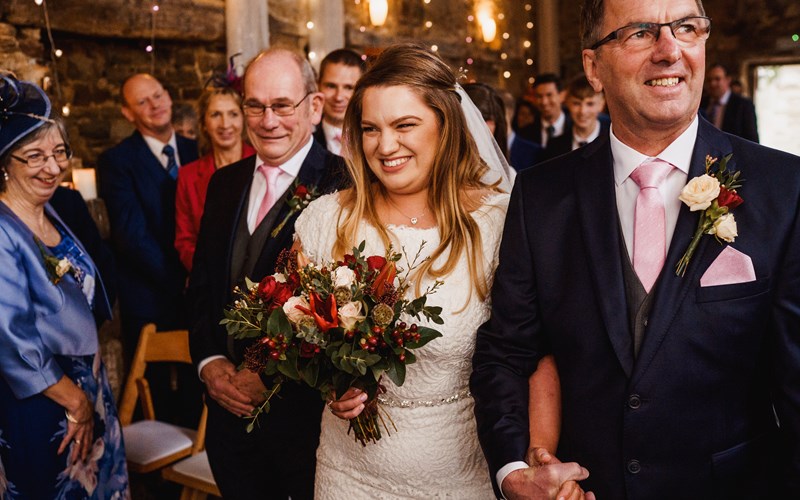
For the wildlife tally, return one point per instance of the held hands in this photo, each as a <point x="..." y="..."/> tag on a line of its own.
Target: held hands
<point x="350" y="405"/>
<point x="230" y="389"/>
<point x="547" y="478"/>
<point x="80" y="429"/>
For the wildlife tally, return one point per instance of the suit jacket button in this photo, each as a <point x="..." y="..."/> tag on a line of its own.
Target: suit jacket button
<point x="634" y="401"/>
<point x="634" y="467"/>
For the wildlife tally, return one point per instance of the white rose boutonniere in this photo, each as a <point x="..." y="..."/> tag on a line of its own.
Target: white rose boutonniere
<point x="58" y="268"/>
<point x="715" y="194"/>
<point x="700" y="192"/>
<point x="725" y="228"/>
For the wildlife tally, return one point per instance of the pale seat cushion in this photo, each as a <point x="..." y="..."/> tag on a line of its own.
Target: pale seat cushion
<point x="196" y="467"/>
<point x="149" y="440"/>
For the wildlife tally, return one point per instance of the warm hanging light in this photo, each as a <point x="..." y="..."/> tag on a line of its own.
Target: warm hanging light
<point x="487" y="24"/>
<point x="378" y="11"/>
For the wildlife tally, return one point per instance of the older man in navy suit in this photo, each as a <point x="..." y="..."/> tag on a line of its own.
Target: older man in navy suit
<point x="137" y="183"/>
<point x="245" y="206"/>
<point x="673" y="385"/>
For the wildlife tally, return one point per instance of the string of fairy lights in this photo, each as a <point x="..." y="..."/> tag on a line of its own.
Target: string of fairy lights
<point x="56" y="53"/>
<point x="482" y="26"/>
<point x="485" y="23"/>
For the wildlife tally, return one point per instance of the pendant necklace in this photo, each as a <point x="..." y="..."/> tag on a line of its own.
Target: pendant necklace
<point x="413" y="220"/>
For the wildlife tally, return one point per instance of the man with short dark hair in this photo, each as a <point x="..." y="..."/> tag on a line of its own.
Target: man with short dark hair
<point x="338" y="73"/>
<point x="551" y="120"/>
<point x="246" y="201"/>
<point x="727" y="110"/>
<point x="678" y="358"/>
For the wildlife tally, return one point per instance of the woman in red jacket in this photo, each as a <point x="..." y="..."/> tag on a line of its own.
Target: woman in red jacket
<point x="221" y="124"/>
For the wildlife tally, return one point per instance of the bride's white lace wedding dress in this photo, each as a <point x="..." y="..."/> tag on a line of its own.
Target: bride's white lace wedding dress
<point x="435" y="452"/>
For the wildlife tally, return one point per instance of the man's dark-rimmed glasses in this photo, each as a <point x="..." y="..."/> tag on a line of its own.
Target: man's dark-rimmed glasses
<point x="688" y="31"/>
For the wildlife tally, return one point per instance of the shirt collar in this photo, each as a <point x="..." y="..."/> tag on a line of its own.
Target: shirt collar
<point x="157" y="147"/>
<point x="724" y="99"/>
<point x="678" y="153"/>
<point x="330" y="131"/>
<point x="293" y="164"/>
<point x="558" y="124"/>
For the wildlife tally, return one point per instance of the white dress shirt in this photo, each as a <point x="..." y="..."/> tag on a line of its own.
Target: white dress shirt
<point x="626" y="159"/>
<point x="258" y="189"/>
<point x="558" y="125"/>
<point x="157" y="148"/>
<point x="576" y="141"/>
<point x="331" y="132"/>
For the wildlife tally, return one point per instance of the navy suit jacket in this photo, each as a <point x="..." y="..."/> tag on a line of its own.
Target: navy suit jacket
<point x="533" y="132"/>
<point x="739" y="117"/>
<point x="140" y="198"/>
<point x="524" y="153"/>
<point x="692" y="415"/>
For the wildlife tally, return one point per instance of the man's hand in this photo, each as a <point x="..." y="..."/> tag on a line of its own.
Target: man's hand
<point x="218" y="376"/>
<point x="546" y="479"/>
<point x="248" y="382"/>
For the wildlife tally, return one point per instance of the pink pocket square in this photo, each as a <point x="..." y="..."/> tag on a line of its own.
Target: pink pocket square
<point x="730" y="267"/>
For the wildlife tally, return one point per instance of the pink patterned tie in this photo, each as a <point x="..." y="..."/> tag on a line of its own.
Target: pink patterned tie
<point x="271" y="174"/>
<point x="649" y="226"/>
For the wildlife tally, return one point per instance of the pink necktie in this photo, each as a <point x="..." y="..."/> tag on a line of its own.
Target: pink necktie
<point x="271" y="174"/>
<point x="649" y="226"/>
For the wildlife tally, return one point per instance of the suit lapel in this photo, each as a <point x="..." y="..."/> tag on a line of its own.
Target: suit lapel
<point x="147" y="161"/>
<point x="597" y="206"/>
<point x="671" y="290"/>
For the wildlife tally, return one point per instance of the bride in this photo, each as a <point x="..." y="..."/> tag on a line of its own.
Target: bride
<point x="417" y="177"/>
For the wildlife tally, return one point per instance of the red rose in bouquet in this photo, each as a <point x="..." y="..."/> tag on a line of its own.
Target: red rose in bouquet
<point x="339" y="326"/>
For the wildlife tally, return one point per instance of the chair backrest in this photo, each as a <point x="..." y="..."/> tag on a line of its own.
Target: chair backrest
<point x="153" y="347"/>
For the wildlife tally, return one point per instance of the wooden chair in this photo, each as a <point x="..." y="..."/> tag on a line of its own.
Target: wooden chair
<point x="151" y="444"/>
<point x="194" y="473"/>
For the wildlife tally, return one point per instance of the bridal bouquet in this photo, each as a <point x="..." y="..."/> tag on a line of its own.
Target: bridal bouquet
<point x="334" y="326"/>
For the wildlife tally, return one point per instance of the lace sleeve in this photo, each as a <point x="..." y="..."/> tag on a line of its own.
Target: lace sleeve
<point x="316" y="227"/>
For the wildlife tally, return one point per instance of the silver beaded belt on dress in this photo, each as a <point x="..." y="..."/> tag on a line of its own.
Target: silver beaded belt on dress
<point x="405" y="403"/>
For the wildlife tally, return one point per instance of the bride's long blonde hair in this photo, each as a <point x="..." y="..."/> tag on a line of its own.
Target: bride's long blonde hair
<point x="457" y="166"/>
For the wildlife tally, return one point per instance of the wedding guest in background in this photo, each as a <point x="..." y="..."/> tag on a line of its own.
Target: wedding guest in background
<point x="522" y="153"/>
<point x="678" y="380"/>
<point x="585" y="107"/>
<point x="524" y="115"/>
<point x="418" y="177"/>
<point x="727" y="110"/>
<point x="59" y="432"/>
<point x="137" y="181"/>
<point x="493" y="111"/>
<point x="338" y="73"/>
<point x="221" y="128"/>
<point x="245" y="203"/>
<point x="551" y="120"/>
<point x="184" y="120"/>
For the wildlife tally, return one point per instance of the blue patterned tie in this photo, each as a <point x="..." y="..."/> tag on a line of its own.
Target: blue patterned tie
<point x="172" y="165"/>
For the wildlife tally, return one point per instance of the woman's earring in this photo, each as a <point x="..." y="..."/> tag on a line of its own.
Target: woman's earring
<point x="5" y="175"/>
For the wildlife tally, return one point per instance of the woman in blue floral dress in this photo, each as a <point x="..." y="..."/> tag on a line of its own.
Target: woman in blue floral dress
<point x="59" y="432"/>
